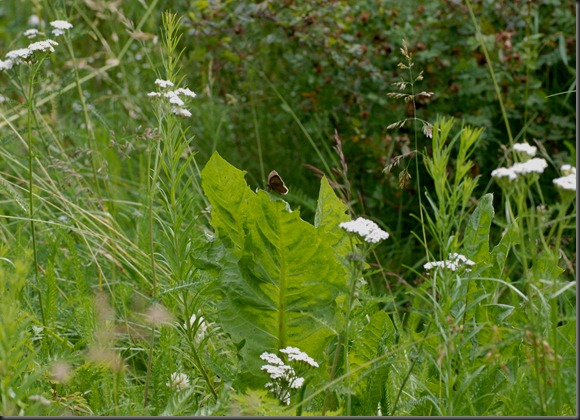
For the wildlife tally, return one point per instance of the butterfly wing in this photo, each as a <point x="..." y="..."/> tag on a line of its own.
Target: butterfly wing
<point x="276" y="184"/>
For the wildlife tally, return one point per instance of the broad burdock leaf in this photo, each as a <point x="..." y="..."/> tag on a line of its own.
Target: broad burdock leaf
<point x="279" y="275"/>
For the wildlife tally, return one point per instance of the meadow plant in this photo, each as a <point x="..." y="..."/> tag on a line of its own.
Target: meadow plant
<point x="284" y="377"/>
<point x="162" y="289"/>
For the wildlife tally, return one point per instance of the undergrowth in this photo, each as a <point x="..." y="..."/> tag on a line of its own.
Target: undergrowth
<point x="142" y="273"/>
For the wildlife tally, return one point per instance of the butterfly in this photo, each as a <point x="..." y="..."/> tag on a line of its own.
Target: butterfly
<point x="276" y="184"/>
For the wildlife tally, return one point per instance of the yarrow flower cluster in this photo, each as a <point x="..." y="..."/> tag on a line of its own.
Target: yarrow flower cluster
<point x="31" y="33"/>
<point x="568" y="181"/>
<point x="178" y="381"/>
<point x="294" y="354"/>
<point x="528" y="165"/>
<point x="23" y="55"/>
<point x="535" y="165"/>
<point x="173" y="97"/>
<point x="453" y="262"/>
<point x="59" y="26"/>
<point x="284" y="377"/>
<point x="368" y="229"/>
<point x="525" y="150"/>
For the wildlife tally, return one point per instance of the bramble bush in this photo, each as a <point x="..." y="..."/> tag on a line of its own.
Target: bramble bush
<point x="422" y="262"/>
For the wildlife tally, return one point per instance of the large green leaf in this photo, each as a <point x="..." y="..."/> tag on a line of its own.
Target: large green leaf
<point x="228" y="193"/>
<point x="279" y="287"/>
<point x="330" y="212"/>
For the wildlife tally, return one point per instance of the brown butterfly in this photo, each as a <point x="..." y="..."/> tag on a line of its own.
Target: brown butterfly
<point x="276" y="184"/>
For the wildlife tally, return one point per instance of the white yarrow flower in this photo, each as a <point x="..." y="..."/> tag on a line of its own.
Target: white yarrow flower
<point x="182" y="112"/>
<point x="566" y="183"/>
<point x="186" y="92"/>
<point x="368" y="229"/>
<point x="508" y="173"/>
<point x="60" y="26"/>
<point x="294" y="354"/>
<point x="174" y="98"/>
<point x="568" y="170"/>
<point x="271" y="358"/>
<point x="43" y="46"/>
<point x="454" y="262"/>
<point x="6" y="64"/>
<point x="526" y="149"/>
<point x="19" y="55"/>
<point x="31" y="33"/>
<point x="163" y="83"/>
<point x="284" y="377"/>
<point x="535" y="165"/>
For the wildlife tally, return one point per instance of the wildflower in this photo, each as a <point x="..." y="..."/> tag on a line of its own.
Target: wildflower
<point x="60" y="26"/>
<point x="568" y="170"/>
<point x="284" y="377"/>
<point x="566" y="183"/>
<point x="508" y="173"/>
<point x="294" y="353"/>
<point x="535" y="165"/>
<point x="182" y="112"/>
<point x="43" y="46"/>
<point x="368" y="229"/>
<point x="173" y="97"/>
<point x="19" y="55"/>
<point x="186" y="92"/>
<point x="271" y="358"/>
<point x="454" y="262"/>
<point x="178" y="381"/>
<point x="163" y="83"/>
<point x="6" y="65"/>
<point x="525" y="150"/>
<point x="31" y="33"/>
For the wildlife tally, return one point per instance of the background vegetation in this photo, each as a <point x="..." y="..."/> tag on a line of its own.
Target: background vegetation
<point x="133" y="246"/>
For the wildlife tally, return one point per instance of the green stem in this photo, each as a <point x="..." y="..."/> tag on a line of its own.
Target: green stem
<point x="88" y="124"/>
<point x="479" y="37"/>
<point x="30" y="192"/>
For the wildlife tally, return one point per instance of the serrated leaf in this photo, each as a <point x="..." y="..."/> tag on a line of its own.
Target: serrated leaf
<point x="375" y="338"/>
<point x="330" y="212"/>
<point x="281" y="281"/>
<point x="228" y="193"/>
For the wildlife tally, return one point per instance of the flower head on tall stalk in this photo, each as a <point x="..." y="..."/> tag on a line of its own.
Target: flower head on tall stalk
<point x="284" y="377"/>
<point x="371" y="234"/>
<point x="173" y="98"/>
<point x="28" y="62"/>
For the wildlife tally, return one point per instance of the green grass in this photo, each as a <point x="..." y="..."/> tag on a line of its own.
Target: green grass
<point x="139" y="246"/>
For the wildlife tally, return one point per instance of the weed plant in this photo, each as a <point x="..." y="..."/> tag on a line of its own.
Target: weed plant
<point x="142" y="272"/>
